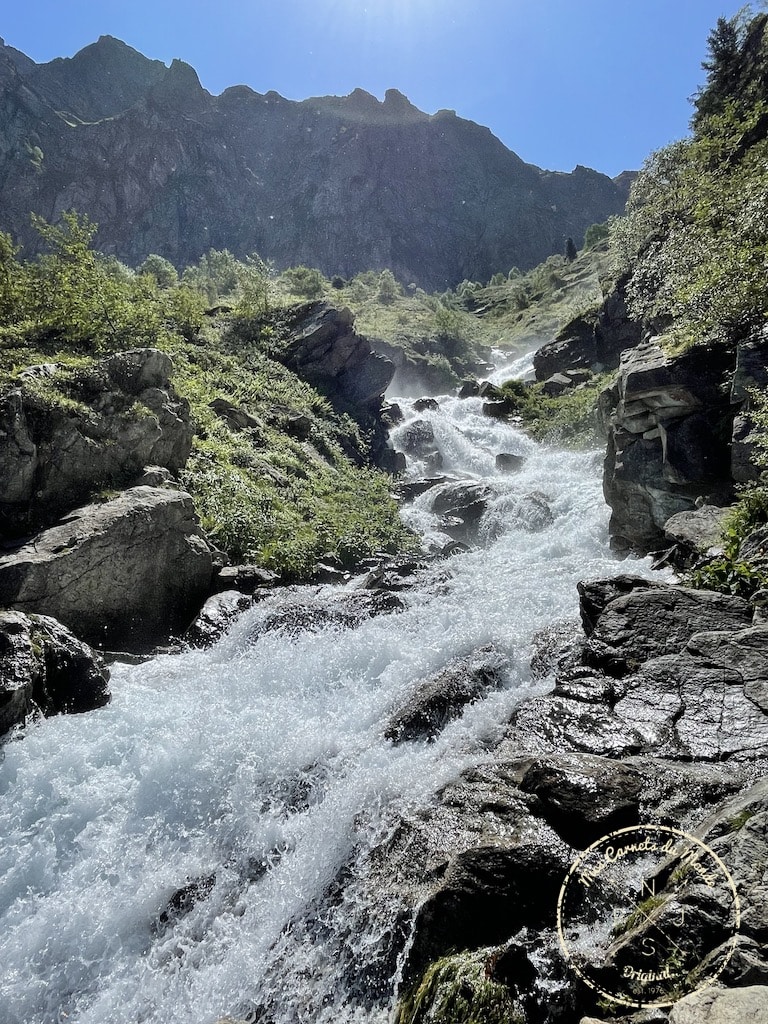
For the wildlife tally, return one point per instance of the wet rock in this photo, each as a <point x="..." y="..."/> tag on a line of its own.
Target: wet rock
<point x="555" y="723"/>
<point x="184" y="900"/>
<point x="708" y="703"/>
<point x="418" y="438"/>
<point x="487" y="894"/>
<point x="395" y="574"/>
<point x="347" y="611"/>
<point x="216" y="617"/>
<point x="44" y="668"/>
<point x="722" y="1006"/>
<point x="409" y="490"/>
<point x="528" y="512"/>
<point x="128" y="571"/>
<point x="469" y="389"/>
<point x="439" y="699"/>
<point x="583" y="797"/>
<point x="506" y="462"/>
<point x="463" y="505"/>
<point x="424" y="404"/>
<point x="647" y="623"/>
<point x="555" y="648"/>
<point x="596" y="595"/>
<point x="246" y="578"/>
<point x="499" y="409"/>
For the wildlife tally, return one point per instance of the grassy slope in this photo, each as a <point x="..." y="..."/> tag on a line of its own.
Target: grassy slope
<point x="262" y="494"/>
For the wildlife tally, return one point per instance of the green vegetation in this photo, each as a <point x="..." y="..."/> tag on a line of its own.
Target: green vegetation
<point x="729" y="573"/>
<point x="263" y="493"/>
<point x="569" y="419"/>
<point x="457" y="990"/>
<point x="695" y="239"/>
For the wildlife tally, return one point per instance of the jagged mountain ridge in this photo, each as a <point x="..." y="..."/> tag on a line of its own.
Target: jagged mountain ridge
<point x="341" y="183"/>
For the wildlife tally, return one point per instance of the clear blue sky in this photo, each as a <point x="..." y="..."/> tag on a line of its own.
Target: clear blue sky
<point x="561" y="82"/>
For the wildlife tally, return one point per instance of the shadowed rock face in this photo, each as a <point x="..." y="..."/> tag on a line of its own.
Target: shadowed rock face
<point x="341" y="183"/>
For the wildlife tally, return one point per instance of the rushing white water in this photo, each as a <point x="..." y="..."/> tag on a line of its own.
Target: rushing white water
<point x="260" y="767"/>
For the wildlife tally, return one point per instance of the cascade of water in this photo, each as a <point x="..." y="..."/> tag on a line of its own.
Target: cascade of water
<point x="257" y="774"/>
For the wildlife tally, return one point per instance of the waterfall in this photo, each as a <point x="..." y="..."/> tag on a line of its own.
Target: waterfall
<point x="252" y="779"/>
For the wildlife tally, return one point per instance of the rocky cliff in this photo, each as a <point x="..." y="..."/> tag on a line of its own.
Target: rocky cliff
<point x="341" y="183"/>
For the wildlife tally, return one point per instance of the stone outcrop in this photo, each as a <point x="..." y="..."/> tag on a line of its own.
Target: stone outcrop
<point x="326" y="351"/>
<point x="130" y="570"/>
<point x="591" y="341"/>
<point x="659" y="714"/>
<point x="669" y="439"/>
<point x="106" y="426"/>
<point x="45" y="669"/>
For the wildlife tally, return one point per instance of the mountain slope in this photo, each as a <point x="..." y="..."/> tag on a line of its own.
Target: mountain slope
<point x="342" y="183"/>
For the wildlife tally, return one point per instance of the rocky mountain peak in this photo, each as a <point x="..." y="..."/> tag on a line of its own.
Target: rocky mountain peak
<point x="343" y="183"/>
<point x="179" y="89"/>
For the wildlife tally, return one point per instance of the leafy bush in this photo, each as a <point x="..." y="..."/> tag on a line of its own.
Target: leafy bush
<point x="304" y="281"/>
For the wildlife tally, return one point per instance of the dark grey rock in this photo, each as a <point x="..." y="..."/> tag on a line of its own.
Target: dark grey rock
<point x="469" y="389"/>
<point x="596" y="595"/>
<point x="646" y="624"/>
<point x="418" y="438"/>
<point x="347" y="610"/>
<point x="326" y="351"/>
<point x="439" y="699"/>
<point x="499" y="409"/>
<point x="216" y="617"/>
<point x="583" y="797"/>
<point x="507" y="462"/>
<point x="423" y="404"/>
<point x="44" y="668"/>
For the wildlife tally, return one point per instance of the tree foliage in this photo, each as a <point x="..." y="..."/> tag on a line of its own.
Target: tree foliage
<point x="694" y="242"/>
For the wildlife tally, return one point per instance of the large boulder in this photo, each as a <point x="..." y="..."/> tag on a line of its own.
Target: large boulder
<point x="648" y="623"/>
<point x="107" y="424"/>
<point x="708" y="703"/>
<point x="722" y="1006"/>
<point x="443" y="696"/>
<point x="326" y="351"/>
<point x="44" y="668"/>
<point x="668" y="444"/>
<point x="130" y="570"/>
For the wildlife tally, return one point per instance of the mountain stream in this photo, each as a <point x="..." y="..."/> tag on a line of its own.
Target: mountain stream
<point x="198" y="848"/>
